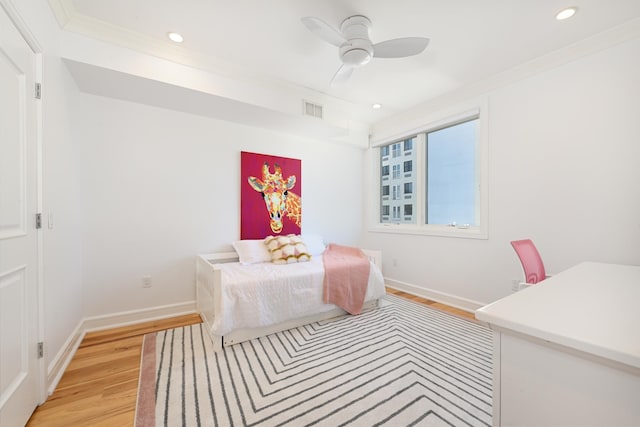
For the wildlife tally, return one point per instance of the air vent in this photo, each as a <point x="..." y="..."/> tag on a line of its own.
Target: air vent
<point x="311" y="109"/>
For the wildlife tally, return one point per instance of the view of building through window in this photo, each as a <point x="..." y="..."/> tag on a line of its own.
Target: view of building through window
<point x="398" y="206"/>
<point x="448" y="159"/>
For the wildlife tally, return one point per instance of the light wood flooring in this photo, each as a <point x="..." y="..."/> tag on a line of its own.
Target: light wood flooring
<point x="433" y="304"/>
<point x="100" y="384"/>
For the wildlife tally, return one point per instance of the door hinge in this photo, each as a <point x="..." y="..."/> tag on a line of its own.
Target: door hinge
<point x="40" y="350"/>
<point x="38" y="220"/>
<point x="38" y="91"/>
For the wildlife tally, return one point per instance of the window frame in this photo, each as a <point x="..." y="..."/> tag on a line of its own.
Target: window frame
<point x="435" y="122"/>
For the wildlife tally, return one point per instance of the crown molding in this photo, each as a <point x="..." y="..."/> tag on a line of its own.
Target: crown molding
<point x="22" y="27"/>
<point x="63" y="10"/>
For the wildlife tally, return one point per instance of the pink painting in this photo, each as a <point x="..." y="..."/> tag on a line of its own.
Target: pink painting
<point x="270" y="191"/>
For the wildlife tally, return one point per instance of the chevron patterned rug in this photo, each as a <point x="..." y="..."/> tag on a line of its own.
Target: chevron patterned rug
<point x="401" y="364"/>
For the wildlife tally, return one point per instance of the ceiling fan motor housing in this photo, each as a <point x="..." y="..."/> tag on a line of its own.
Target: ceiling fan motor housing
<point x="358" y="49"/>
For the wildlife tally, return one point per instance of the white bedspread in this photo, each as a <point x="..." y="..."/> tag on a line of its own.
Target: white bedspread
<point x="265" y="294"/>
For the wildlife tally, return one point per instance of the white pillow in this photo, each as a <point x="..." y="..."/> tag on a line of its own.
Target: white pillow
<point x="314" y="243"/>
<point x="251" y="251"/>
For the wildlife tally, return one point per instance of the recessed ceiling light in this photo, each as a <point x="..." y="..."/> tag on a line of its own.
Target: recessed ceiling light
<point x="376" y="106"/>
<point x="566" y="13"/>
<point x="175" y="37"/>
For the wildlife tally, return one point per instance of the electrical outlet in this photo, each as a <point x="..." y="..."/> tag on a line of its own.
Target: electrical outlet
<point x="515" y="285"/>
<point x="146" y="281"/>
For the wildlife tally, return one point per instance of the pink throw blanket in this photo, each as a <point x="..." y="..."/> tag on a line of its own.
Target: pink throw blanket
<point x="346" y="275"/>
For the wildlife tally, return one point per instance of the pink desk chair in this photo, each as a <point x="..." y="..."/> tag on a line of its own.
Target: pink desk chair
<point x="531" y="261"/>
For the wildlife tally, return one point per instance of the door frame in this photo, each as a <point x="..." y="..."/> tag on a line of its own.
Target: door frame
<point x="35" y="47"/>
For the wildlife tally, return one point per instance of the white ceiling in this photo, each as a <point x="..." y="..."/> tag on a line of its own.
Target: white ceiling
<point x="471" y="40"/>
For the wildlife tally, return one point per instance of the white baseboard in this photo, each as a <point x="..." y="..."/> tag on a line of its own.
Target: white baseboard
<point x="59" y="364"/>
<point x="125" y="318"/>
<point x="437" y="296"/>
<point x="61" y="361"/>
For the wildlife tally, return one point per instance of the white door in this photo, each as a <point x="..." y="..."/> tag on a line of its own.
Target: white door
<point x="18" y="236"/>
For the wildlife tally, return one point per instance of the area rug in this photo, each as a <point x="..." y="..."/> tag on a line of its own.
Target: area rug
<point x="401" y="364"/>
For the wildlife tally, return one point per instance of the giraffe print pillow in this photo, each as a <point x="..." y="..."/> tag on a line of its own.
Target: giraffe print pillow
<point x="287" y="249"/>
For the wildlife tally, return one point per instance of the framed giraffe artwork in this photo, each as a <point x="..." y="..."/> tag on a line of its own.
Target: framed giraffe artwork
<point x="270" y="196"/>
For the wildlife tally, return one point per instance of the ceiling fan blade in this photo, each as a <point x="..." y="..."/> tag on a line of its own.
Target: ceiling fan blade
<point x="399" y="48"/>
<point x="342" y="75"/>
<point x="323" y="30"/>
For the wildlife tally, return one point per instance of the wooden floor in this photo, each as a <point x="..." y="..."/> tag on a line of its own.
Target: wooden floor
<point x="433" y="304"/>
<point x="100" y="384"/>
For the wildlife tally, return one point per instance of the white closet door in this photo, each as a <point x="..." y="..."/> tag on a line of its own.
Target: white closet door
<point x="18" y="236"/>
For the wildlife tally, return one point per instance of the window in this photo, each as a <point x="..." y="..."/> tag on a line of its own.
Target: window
<point x="385" y="170"/>
<point x="443" y="179"/>
<point x="396" y="171"/>
<point x="385" y="151"/>
<point x="395" y="150"/>
<point x="396" y="192"/>
<point x="385" y="190"/>
<point x="396" y="212"/>
<point x="451" y="175"/>
<point x="408" y="166"/>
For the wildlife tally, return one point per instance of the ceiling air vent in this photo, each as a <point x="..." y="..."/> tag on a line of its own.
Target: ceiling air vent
<point x="311" y="109"/>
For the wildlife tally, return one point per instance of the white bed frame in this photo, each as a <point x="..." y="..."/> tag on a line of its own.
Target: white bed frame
<point x="208" y="285"/>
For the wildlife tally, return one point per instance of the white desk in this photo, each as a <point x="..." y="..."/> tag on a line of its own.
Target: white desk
<point x="567" y="350"/>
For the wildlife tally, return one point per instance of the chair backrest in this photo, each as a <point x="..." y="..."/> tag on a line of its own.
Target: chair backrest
<point x="530" y="259"/>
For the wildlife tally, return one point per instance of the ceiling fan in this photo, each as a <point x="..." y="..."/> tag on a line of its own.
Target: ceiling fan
<point x="355" y="46"/>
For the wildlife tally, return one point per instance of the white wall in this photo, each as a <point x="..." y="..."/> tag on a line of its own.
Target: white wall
<point x="62" y="243"/>
<point x="159" y="187"/>
<point x="564" y="170"/>
<point x="62" y="255"/>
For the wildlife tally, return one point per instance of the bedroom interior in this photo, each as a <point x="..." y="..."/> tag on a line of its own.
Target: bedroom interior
<point x="137" y="147"/>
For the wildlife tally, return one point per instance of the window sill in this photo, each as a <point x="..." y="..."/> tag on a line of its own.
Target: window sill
<point x="432" y="230"/>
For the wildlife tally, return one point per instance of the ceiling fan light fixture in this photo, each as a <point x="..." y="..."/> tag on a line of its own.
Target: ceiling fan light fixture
<point x="356" y="57"/>
<point x="356" y="52"/>
<point x="566" y="13"/>
<point x="355" y="47"/>
<point x="175" y="37"/>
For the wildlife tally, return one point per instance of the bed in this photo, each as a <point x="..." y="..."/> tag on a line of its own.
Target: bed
<point x="239" y="302"/>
